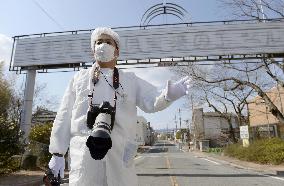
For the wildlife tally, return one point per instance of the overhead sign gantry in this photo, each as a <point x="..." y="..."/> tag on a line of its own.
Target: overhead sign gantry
<point x="185" y="42"/>
<point x="148" y="45"/>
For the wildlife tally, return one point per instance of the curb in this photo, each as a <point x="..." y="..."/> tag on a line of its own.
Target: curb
<point x="32" y="183"/>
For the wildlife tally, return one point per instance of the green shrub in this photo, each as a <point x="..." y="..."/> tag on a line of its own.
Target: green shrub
<point x="39" y="142"/>
<point x="215" y="150"/>
<point x="10" y="145"/>
<point x="178" y="135"/>
<point x="11" y="164"/>
<point x="41" y="133"/>
<point x="264" y="151"/>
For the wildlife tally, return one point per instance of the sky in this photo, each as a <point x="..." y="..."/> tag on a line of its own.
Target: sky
<point x="38" y="16"/>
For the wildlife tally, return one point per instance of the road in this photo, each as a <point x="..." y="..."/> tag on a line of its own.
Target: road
<point x="165" y="165"/>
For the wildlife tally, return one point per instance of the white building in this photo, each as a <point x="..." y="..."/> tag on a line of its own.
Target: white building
<point x="43" y="116"/>
<point x="212" y="126"/>
<point x="141" y="131"/>
<point x="144" y="133"/>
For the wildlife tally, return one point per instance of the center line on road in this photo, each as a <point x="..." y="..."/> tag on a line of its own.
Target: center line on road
<point x="173" y="178"/>
<point x="211" y="161"/>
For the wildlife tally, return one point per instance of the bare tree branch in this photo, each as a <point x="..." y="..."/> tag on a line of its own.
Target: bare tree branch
<point x="274" y="77"/>
<point x="272" y="107"/>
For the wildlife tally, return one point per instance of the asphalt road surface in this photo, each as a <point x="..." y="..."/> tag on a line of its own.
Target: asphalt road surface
<point x="165" y="165"/>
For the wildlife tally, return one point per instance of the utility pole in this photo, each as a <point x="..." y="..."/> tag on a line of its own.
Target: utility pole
<point x="263" y="17"/>
<point x="181" y="134"/>
<point x="176" y="121"/>
<point x="167" y="130"/>
<point x="192" y="123"/>
<point x="179" y="119"/>
<point x="261" y="10"/>
<point x="149" y="132"/>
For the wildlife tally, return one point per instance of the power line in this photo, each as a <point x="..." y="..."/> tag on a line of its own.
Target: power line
<point x="47" y="14"/>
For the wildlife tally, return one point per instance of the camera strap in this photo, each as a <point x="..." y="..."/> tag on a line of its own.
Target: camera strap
<point x="115" y="86"/>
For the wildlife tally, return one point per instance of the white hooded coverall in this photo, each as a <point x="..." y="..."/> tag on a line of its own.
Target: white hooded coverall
<point x="70" y="128"/>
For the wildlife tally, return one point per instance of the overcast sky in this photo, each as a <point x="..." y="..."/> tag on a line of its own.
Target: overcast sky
<point x="38" y="16"/>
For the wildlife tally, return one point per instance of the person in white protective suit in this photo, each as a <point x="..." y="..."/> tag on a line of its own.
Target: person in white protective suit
<point x="71" y="131"/>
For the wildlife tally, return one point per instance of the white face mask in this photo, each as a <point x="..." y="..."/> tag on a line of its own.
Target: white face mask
<point x="104" y="52"/>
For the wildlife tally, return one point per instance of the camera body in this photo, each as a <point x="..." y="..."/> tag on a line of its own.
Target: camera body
<point x="101" y="120"/>
<point x="95" y="111"/>
<point x="50" y="180"/>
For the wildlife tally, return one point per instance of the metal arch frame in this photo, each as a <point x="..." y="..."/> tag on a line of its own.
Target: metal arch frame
<point x="178" y="6"/>
<point x="163" y="9"/>
<point x="169" y="13"/>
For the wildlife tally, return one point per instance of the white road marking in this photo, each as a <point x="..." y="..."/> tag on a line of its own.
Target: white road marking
<point x="274" y="177"/>
<point x="137" y="157"/>
<point x="211" y="161"/>
<point x="185" y="150"/>
<point x="153" y="156"/>
<point x="282" y="179"/>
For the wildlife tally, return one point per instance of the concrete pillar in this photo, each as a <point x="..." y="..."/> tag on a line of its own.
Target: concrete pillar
<point x="26" y="115"/>
<point x="198" y="122"/>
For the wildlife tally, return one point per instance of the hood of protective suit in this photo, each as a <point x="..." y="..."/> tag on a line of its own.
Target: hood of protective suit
<point x="104" y="30"/>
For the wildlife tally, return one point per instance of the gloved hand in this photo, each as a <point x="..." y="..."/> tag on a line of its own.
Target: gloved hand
<point x="178" y="89"/>
<point x="57" y="165"/>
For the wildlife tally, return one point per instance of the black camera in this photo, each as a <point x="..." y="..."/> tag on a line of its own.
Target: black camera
<point x="50" y="180"/>
<point x="101" y="120"/>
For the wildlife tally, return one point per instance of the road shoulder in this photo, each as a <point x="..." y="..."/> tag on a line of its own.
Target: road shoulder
<point x="264" y="169"/>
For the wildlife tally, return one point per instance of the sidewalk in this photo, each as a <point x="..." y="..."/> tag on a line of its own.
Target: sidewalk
<point x="264" y="169"/>
<point x="22" y="178"/>
<point x="25" y="178"/>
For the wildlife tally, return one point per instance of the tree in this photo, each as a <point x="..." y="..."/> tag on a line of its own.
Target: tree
<point x="256" y="9"/>
<point x="9" y="144"/>
<point x="5" y="93"/>
<point x="9" y="130"/>
<point x="261" y="9"/>
<point x="240" y="78"/>
<point x="220" y="96"/>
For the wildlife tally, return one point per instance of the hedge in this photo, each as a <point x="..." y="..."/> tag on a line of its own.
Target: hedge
<point x="264" y="151"/>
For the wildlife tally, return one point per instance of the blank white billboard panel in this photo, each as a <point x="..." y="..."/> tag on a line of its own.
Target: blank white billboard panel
<point x="151" y="42"/>
<point x="49" y="50"/>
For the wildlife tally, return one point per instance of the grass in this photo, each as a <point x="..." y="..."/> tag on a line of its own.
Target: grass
<point x="263" y="151"/>
<point x="215" y="150"/>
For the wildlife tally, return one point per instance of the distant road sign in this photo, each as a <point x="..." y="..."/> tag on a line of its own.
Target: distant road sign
<point x="244" y="132"/>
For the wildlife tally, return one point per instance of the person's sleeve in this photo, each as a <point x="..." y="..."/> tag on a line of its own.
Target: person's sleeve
<point x="148" y="98"/>
<point x="60" y="134"/>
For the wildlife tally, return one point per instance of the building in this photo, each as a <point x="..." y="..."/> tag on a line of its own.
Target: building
<point x="141" y="131"/>
<point x="144" y="132"/>
<point x="213" y="127"/>
<point x="261" y="120"/>
<point x="42" y="115"/>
